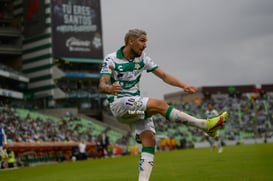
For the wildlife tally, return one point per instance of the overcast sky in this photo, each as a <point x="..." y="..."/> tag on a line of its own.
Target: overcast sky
<point x="201" y="42"/>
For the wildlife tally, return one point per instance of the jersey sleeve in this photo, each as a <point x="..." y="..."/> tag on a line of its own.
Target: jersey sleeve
<point x="150" y="65"/>
<point x="107" y="66"/>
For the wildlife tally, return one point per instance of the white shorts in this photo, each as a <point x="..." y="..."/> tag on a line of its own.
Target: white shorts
<point x="131" y="111"/>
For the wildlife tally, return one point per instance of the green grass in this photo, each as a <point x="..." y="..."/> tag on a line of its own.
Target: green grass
<point x="243" y="163"/>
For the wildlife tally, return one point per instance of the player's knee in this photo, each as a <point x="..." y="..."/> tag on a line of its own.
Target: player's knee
<point x="157" y="106"/>
<point x="147" y="138"/>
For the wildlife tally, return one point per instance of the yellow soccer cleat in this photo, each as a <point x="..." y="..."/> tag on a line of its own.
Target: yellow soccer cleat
<point x="215" y="123"/>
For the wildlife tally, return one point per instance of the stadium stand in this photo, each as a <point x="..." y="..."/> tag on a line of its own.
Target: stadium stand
<point x="38" y="137"/>
<point x="251" y="118"/>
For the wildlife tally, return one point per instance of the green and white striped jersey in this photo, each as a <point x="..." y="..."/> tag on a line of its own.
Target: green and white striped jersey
<point x="126" y="72"/>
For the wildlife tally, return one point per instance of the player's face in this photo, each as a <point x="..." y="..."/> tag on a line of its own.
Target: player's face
<point x="138" y="45"/>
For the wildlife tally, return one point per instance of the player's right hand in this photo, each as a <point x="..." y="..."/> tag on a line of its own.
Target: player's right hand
<point x="115" y="88"/>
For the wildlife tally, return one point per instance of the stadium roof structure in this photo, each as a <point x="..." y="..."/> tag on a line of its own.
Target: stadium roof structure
<point x="267" y="87"/>
<point x="218" y="90"/>
<point x="8" y="72"/>
<point x="81" y="60"/>
<point x="228" y="89"/>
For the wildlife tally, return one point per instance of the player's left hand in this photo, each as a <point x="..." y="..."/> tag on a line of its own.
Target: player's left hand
<point x="190" y="89"/>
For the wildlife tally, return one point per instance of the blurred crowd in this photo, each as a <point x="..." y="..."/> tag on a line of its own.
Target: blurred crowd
<point x="30" y="129"/>
<point x="250" y="116"/>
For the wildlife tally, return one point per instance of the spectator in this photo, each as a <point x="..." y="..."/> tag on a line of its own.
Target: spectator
<point x="215" y="142"/>
<point x="4" y="158"/>
<point x="105" y="144"/>
<point x="11" y="158"/>
<point x="82" y="151"/>
<point x="3" y="141"/>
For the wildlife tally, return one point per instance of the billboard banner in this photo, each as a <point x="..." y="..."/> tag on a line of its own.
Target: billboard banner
<point x="76" y="29"/>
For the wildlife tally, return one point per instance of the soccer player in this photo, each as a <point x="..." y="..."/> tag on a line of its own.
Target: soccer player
<point x="3" y="141"/>
<point x="215" y="142"/>
<point x="120" y="75"/>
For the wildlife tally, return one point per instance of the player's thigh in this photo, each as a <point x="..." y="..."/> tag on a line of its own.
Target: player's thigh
<point x="155" y="106"/>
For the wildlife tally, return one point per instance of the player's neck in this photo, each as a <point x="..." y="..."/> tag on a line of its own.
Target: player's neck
<point x="127" y="53"/>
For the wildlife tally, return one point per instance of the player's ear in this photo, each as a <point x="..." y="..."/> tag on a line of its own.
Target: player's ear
<point x="131" y="40"/>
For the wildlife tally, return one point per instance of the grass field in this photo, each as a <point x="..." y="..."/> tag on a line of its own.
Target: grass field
<point x="242" y="163"/>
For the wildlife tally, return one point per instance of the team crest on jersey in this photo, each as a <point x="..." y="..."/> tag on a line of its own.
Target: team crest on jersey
<point x="137" y="66"/>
